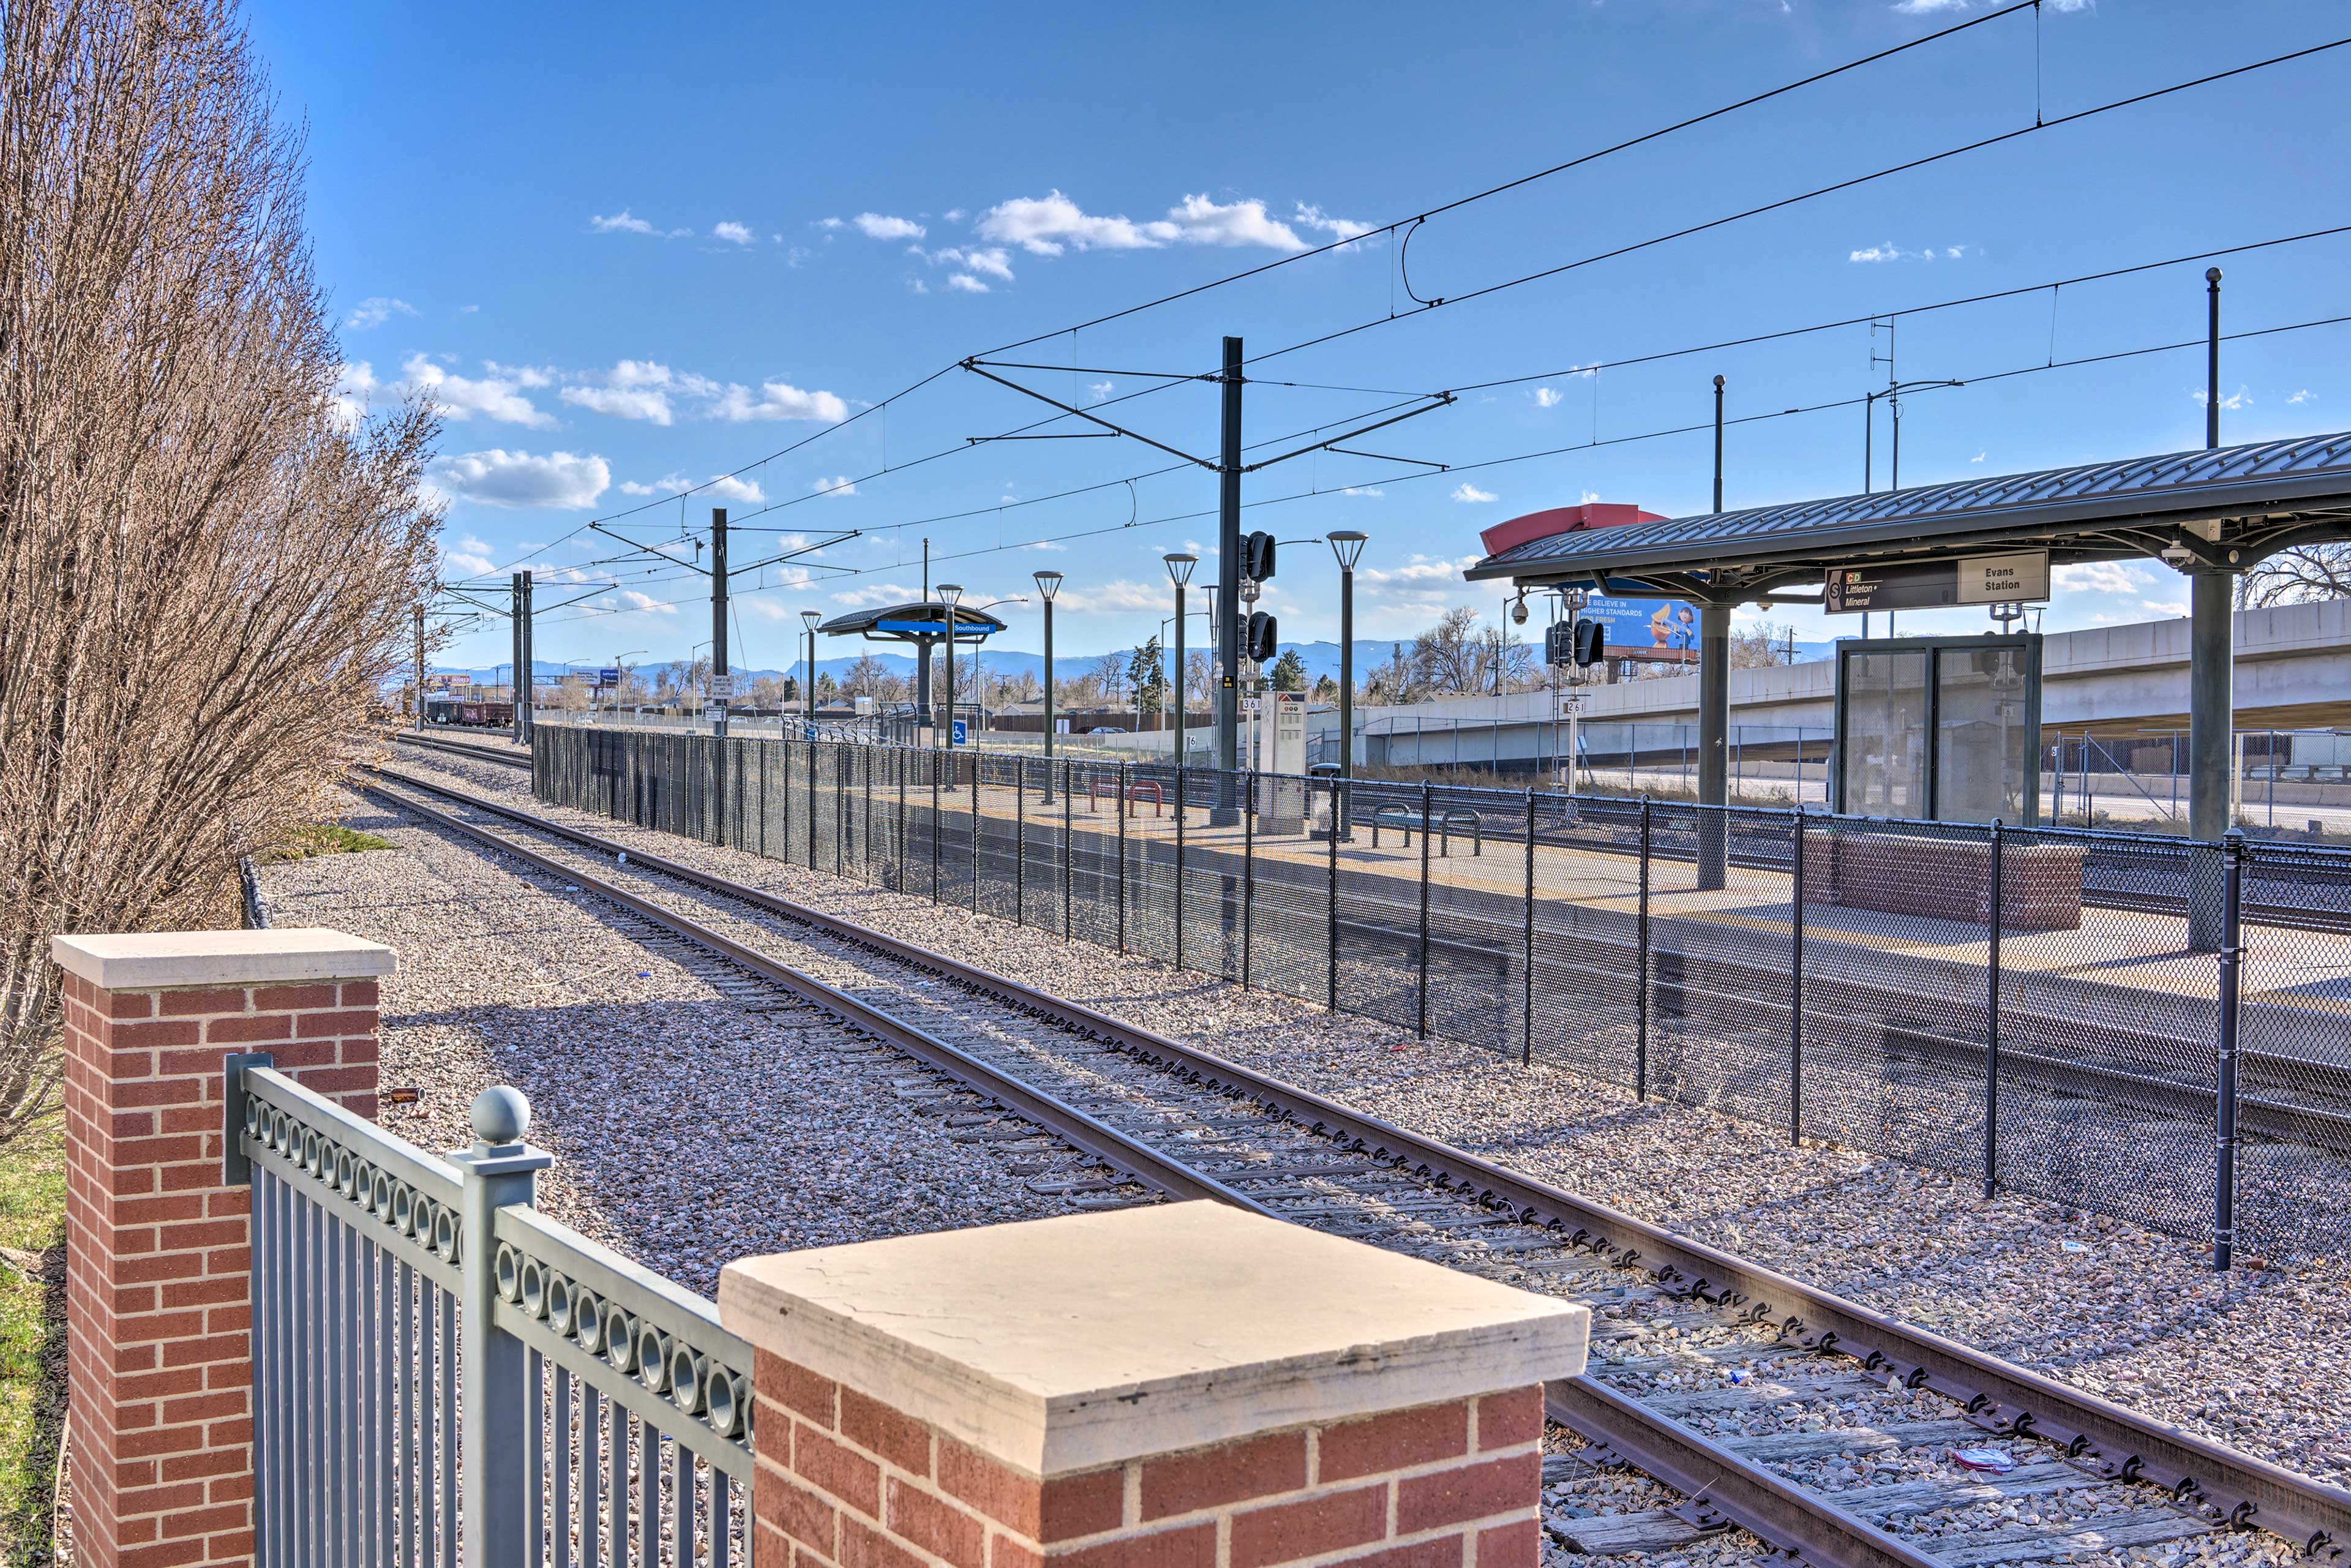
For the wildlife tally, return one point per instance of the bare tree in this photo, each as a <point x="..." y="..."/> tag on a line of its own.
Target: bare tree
<point x="1763" y="645"/>
<point x="866" y="677"/>
<point x="207" y="564"/>
<point x="2300" y="575"/>
<point x="1446" y="657"/>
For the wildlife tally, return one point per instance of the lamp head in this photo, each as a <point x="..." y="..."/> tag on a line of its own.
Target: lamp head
<point x="950" y="594"/>
<point x="809" y="618"/>
<point x="1347" y="544"/>
<point x="1049" y="583"/>
<point x="1179" y="567"/>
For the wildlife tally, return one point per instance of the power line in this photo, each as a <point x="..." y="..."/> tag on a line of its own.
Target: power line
<point x="1406" y="476"/>
<point x="1813" y="194"/>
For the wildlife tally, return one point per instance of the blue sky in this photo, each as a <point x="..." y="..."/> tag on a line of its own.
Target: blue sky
<point x="632" y="248"/>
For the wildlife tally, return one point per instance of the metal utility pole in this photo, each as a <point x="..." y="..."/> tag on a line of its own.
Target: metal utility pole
<point x="1048" y="584"/>
<point x="2211" y="696"/>
<point x="1229" y="579"/>
<point x="1713" y="712"/>
<point x="518" y="620"/>
<point x="527" y="704"/>
<point x="1347" y="544"/>
<point x="1179" y="571"/>
<point x="922" y="661"/>
<point x="809" y="618"/>
<point x="718" y="681"/>
<point x="420" y="669"/>
<point x="950" y="595"/>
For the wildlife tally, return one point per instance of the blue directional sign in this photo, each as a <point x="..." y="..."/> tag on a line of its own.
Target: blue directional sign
<point x="608" y="676"/>
<point x="962" y="736"/>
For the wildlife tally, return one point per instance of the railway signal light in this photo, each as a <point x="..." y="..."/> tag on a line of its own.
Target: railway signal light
<point x="1262" y="634"/>
<point x="1589" y="635"/>
<point x="1257" y="556"/>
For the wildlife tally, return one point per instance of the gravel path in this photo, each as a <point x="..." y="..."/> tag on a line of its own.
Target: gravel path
<point x="687" y="1129"/>
<point x="2259" y="1358"/>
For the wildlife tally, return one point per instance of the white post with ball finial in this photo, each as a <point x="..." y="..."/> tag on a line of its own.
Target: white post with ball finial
<point x="500" y="1170"/>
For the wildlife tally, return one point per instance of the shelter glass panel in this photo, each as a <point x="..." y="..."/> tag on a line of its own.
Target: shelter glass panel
<point x="1886" y="735"/>
<point x="1983" y="727"/>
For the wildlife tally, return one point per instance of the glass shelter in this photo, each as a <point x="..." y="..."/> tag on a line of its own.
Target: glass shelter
<point x="1939" y="729"/>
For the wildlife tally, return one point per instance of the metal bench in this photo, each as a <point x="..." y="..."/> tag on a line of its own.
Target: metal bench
<point x="1449" y="821"/>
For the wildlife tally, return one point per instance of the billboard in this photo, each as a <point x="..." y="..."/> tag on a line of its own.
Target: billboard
<point x="1662" y="630"/>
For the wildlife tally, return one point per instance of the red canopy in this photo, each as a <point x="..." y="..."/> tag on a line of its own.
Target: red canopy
<point x="1563" y="520"/>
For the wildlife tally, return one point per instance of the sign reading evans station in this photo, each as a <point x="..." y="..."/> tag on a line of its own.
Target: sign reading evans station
<point x="2017" y="578"/>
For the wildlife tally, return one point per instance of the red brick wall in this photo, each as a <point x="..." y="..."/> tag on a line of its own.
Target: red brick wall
<point x="1947" y="879"/>
<point x="157" y="1285"/>
<point x="844" y="1481"/>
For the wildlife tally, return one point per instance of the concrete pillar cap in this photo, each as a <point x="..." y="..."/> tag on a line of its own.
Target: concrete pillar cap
<point x="162" y="960"/>
<point x="1062" y="1344"/>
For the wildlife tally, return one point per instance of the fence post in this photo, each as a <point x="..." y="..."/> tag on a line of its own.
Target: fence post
<point x="763" y="799"/>
<point x="1991" y="1017"/>
<point x="1427" y="806"/>
<point x="1179" y="862"/>
<point x="1069" y="848"/>
<point x="158" y="1292"/>
<point x="1641" y="969"/>
<point x="2232" y="933"/>
<point x="1795" y="977"/>
<point x="1249" y="867"/>
<point x="1122" y="857"/>
<point x="932" y="761"/>
<point x="975" y="832"/>
<point x="1527" y="963"/>
<point x="1331" y="965"/>
<point x="811" y="802"/>
<point x="1020" y="840"/>
<point x="499" y="1503"/>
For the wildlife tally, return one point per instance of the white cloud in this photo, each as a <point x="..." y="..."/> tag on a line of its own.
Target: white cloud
<point x="635" y="601"/>
<point x="738" y="233"/>
<point x="1046" y="225"/>
<point x="1548" y="397"/>
<point x="731" y="487"/>
<point x="1337" y="228"/>
<point x="1929" y="8"/>
<point x="1099" y="391"/>
<point x="2163" y="606"/>
<point x="995" y="262"/>
<point x="354" y="394"/>
<point x="521" y="375"/>
<point x="1116" y="596"/>
<point x="1886" y="250"/>
<point x="778" y="400"/>
<point x="626" y="222"/>
<point x="470" y="557"/>
<point x="1976" y="458"/>
<point x="2240" y="398"/>
<point x="1466" y="491"/>
<point x="494" y="396"/>
<point x="964" y="282"/>
<point x="375" y="311"/>
<point x="2304" y="395"/>
<point x="953" y="215"/>
<point x="2111" y="577"/>
<point x="837" y="485"/>
<point x="1360" y="490"/>
<point x="501" y="478"/>
<point x="876" y="594"/>
<point x="875" y="225"/>
<point x="637" y="389"/>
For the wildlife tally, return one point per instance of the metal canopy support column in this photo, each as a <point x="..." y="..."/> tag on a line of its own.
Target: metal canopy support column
<point x="1713" y="744"/>
<point x="718" y="617"/>
<point x="2211" y="702"/>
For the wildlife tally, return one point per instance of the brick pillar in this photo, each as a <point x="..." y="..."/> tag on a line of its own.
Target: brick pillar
<point x="1184" y="1385"/>
<point x="157" y="1274"/>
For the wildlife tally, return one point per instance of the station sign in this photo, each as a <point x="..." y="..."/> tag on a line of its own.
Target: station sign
<point x="609" y="676"/>
<point x="2019" y="577"/>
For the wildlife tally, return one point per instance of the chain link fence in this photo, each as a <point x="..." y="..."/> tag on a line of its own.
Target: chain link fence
<point x="2139" y="1024"/>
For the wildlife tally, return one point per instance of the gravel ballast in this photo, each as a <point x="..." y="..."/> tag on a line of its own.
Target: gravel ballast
<point x="2258" y="1358"/>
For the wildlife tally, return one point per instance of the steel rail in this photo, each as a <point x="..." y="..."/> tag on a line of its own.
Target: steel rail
<point x="2218" y="1483"/>
<point x="1084" y="1132"/>
<point x="459" y="749"/>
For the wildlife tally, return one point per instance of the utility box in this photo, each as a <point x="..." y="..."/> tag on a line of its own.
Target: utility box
<point x="1281" y="762"/>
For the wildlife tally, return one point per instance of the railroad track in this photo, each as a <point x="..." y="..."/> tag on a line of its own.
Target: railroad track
<point x="460" y="748"/>
<point x="1753" y="1395"/>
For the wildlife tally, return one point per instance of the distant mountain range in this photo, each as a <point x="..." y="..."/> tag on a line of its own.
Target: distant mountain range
<point x="1319" y="658"/>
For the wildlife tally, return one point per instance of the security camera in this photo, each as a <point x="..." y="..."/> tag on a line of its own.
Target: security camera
<point x="2178" y="555"/>
<point x="1519" y="610"/>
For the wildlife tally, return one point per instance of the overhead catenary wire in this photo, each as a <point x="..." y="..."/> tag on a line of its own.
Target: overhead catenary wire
<point x="1703" y="426"/>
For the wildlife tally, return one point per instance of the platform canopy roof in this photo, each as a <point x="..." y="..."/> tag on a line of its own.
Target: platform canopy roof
<point x="912" y="623"/>
<point x="2226" y="508"/>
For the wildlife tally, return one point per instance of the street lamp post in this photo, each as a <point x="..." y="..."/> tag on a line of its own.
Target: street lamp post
<point x="1049" y="583"/>
<point x="1179" y="571"/>
<point x="809" y="618"/>
<point x="950" y="595"/>
<point x="1347" y="544"/>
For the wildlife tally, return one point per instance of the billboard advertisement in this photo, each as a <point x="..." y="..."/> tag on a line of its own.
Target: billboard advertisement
<point x="1662" y="630"/>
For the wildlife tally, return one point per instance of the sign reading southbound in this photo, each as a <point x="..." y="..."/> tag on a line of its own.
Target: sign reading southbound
<point x="2022" y="578"/>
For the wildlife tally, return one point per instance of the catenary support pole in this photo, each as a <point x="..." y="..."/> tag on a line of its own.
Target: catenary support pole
<point x="515" y="624"/>
<point x="1228" y="583"/>
<point x="420" y="669"/>
<point x="527" y="704"/>
<point x="719" y="695"/>
<point x="2212" y="697"/>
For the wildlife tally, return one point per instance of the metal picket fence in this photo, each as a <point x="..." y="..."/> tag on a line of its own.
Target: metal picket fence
<point x="1840" y="978"/>
<point x="441" y="1374"/>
